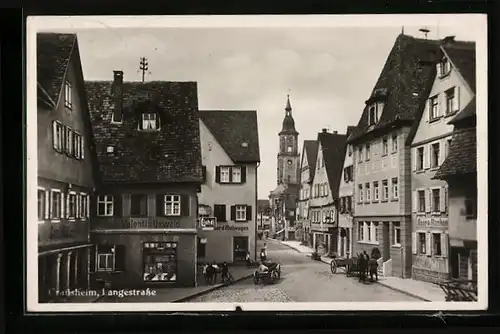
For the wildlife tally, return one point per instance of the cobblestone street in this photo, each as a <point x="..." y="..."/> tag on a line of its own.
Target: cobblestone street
<point x="303" y="280"/>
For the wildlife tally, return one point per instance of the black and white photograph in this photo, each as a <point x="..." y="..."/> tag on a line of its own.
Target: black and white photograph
<point x="194" y="163"/>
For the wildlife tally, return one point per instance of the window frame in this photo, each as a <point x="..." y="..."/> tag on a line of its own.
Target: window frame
<point x="68" y="98"/>
<point x="434" y="156"/>
<point x="367" y="151"/>
<point x="394" y="188"/>
<point x="107" y="256"/>
<point x="394" y="141"/>
<point x="84" y="206"/>
<point x="422" y="247"/>
<point x="72" y="206"/>
<point x="396" y="228"/>
<point x="368" y="196"/>
<point x="43" y="204"/>
<point x="105" y="200"/>
<point x="360" y="154"/>
<point x="171" y="203"/>
<point x="385" y="146"/>
<point x="222" y="170"/>
<point x="435" y="209"/>
<point x="376" y="191"/>
<point x="421" y="201"/>
<point x="420" y="163"/>
<point x="434" y="107"/>
<point x="145" y="122"/>
<point x="438" y="239"/>
<point x="57" y="136"/>
<point x="243" y="208"/>
<point x="53" y="218"/>
<point x="385" y="190"/>
<point x="360" y="193"/>
<point x="450" y="98"/>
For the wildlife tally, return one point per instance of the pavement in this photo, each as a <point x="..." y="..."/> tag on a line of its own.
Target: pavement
<point x="424" y="291"/>
<point x="303" y="280"/>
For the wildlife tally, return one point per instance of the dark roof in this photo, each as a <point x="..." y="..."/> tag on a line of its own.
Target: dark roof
<point x="232" y="128"/>
<point x="333" y="147"/>
<point x="53" y="55"/>
<point x="463" y="56"/>
<point x="462" y="157"/>
<point x="404" y="83"/>
<point x="468" y="112"/>
<point x="350" y="129"/>
<point x="288" y="125"/>
<point x="172" y="154"/>
<point x="311" y="151"/>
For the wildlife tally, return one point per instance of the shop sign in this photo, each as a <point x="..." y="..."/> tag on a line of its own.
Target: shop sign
<point x="432" y="222"/>
<point x="320" y="227"/>
<point x="231" y="228"/>
<point x="207" y="223"/>
<point x="151" y="223"/>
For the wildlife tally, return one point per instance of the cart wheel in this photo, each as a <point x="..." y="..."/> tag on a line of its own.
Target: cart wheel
<point x="333" y="266"/>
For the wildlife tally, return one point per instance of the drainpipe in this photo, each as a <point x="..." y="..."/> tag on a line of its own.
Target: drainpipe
<point x="256" y="195"/>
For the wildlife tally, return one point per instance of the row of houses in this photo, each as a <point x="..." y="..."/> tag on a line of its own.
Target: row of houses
<point x="136" y="185"/>
<point x="403" y="180"/>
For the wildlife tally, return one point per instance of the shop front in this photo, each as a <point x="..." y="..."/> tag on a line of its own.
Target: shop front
<point x="344" y="236"/>
<point x="430" y="248"/>
<point x="322" y="237"/>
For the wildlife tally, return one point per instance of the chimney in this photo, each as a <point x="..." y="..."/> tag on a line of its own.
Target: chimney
<point x="448" y="40"/>
<point x="334" y="132"/>
<point x="324" y="130"/>
<point x="117" y="96"/>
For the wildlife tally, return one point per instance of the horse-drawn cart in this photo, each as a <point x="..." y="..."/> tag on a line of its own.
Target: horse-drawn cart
<point x="350" y="265"/>
<point x="270" y="276"/>
<point x="459" y="290"/>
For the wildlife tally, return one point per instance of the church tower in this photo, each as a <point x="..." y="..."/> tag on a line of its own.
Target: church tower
<point x="288" y="154"/>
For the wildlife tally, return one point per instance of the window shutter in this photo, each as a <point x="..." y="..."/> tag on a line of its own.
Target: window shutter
<point x="243" y="174"/>
<point x="428" y="244"/>
<point x="442" y="151"/>
<point x="217" y="174"/>
<point x="415" y="201"/>
<point x="160" y="205"/>
<point x="428" y="195"/>
<point x="249" y="213"/>
<point x="185" y="205"/>
<point x="442" y="199"/>
<point x="82" y="149"/>
<point x="77" y="213"/>
<point x="456" y="99"/>
<point x="54" y="134"/>
<point x="61" y="209"/>
<point x="63" y="139"/>
<point x="427" y="156"/>
<point x="47" y="204"/>
<point x="222" y="209"/>
<point x="444" y="245"/>
<point x="415" y="158"/>
<point x="233" y="213"/>
<point x="93" y="204"/>
<point x="414" y="242"/>
<point x="427" y="110"/>
<point x="120" y="258"/>
<point x="117" y="206"/>
<point x="93" y="258"/>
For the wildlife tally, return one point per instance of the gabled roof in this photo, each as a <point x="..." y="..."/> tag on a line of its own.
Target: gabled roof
<point x="333" y="147"/>
<point x="463" y="57"/>
<point x="311" y="152"/>
<point x="233" y="128"/>
<point x="404" y="83"/>
<point x="53" y="54"/>
<point x="170" y="155"/>
<point x="462" y="157"/>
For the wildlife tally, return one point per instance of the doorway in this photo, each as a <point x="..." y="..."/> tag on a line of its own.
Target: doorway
<point x="386" y="250"/>
<point x="240" y="248"/>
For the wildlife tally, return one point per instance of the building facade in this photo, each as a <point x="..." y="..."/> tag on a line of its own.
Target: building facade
<point x="430" y="146"/>
<point x="459" y="169"/>
<point x="382" y="163"/>
<point x="323" y="207"/>
<point x="65" y="168"/>
<point x="307" y="170"/>
<point x="144" y="212"/>
<point x="346" y="207"/>
<point x="230" y="155"/>
<point x="284" y="197"/>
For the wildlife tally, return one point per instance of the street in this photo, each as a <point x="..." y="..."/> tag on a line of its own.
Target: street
<point x="302" y="280"/>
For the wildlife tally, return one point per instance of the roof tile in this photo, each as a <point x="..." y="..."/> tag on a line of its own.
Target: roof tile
<point x="462" y="158"/>
<point x="333" y="147"/>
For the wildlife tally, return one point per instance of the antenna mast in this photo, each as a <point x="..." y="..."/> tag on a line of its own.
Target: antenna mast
<point x="143" y="66"/>
<point x="425" y="31"/>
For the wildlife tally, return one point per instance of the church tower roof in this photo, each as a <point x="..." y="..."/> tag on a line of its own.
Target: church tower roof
<point x="288" y="122"/>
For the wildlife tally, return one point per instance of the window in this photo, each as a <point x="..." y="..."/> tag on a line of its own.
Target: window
<point x="105" y="205"/>
<point x="57" y="136"/>
<point x="444" y="67"/>
<point x="435" y="155"/>
<point x="55" y="204"/>
<point x="421" y="200"/>
<point x="139" y="205"/>
<point x="395" y="192"/>
<point x="368" y="193"/>
<point x="435" y="200"/>
<point x="348" y="174"/>
<point x="434" y="108"/>
<point x="241" y="213"/>
<point x="220" y="212"/>
<point x="224" y="174"/>
<point x="375" y="232"/>
<point x="420" y="158"/>
<point x="394" y="143"/>
<point x="349" y="150"/>
<point x="360" y="230"/>
<point x="77" y="144"/>
<point x="67" y="95"/>
<point x="236" y="173"/>
<point x="367" y="152"/>
<point x="372" y="115"/>
<point x="41" y="204"/>
<point x="385" y="190"/>
<point x="375" y="191"/>
<point x="385" y="146"/>
<point x="172" y="205"/>
<point x="450" y="98"/>
<point x="447" y="147"/>
<point x="69" y="141"/>
<point x="422" y="245"/>
<point x="368" y="232"/>
<point x="471" y="204"/>
<point x="360" y="155"/>
<point x="360" y="193"/>
<point x="445" y="192"/>
<point x="289" y="149"/>
<point x="149" y="121"/>
<point x="396" y="228"/>
<point x="436" y="244"/>
<point x="105" y="262"/>
<point x="160" y="261"/>
<point x="72" y="205"/>
<point x="84" y="206"/>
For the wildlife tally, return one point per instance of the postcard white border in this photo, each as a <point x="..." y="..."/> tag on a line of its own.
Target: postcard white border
<point x="476" y="22"/>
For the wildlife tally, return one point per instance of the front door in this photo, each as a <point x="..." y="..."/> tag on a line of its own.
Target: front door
<point x="386" y="251"/>
<point x="240" y="248"/>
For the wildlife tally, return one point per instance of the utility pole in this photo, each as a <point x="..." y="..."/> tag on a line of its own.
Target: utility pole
<point x="143" y="66"/>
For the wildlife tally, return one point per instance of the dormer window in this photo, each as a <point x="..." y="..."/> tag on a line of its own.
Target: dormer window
<point x="443" y="67"/>
<point x="374" y="111"/>
<point x="149" y="122"/>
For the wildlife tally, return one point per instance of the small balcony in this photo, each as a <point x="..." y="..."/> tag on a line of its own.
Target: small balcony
<point x="136" y="223"/>
<point x="50" y="233"/>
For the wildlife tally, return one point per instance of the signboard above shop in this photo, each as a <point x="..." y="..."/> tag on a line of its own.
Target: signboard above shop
<point x="431" y="222"/>
<point x="207" y="223"/>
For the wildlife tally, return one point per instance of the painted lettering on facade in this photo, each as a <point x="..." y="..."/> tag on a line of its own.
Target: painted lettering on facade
<point x="231" y="228"/>
<point x="427" y="222"/>
<point x="321" y="227"/>
<point x="151" y="223"/>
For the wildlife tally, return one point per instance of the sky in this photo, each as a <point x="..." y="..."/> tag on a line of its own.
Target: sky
<point x="328" y="71"/>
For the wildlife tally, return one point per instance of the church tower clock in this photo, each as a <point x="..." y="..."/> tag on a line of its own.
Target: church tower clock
<point x="288" y="154"/>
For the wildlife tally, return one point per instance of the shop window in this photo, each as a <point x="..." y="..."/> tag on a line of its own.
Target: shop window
<point x="139" y="205"/>
<point x="396" y="227"/>
<point x="105" y="205"/>
<point x="436" y="244"/>
<point x="422" y="249"/>
<point x="160" y="261"/>
<point x="201" y="247"/>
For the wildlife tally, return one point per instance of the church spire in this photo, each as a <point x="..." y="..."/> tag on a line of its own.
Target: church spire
<point x="288" y="107"/>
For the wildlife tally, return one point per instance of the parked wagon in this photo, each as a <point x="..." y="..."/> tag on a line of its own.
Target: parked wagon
<point x="459" y="290"/>
<point x="270" y="276"/>
<point x="340" y="263"/>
